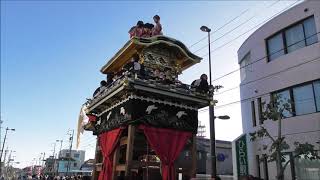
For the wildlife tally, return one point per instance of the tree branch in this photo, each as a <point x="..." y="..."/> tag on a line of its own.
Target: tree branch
<point x="293" y="157"/>
<point x="267" y="133"/>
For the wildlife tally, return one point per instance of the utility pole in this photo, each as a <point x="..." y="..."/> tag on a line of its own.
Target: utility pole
<point x="57" y="169"/>
<point x="54" y="150"/>
<point x="54" y="158"/>
<point x="4" y="141"/>
<point x="44" y="154"/>
<point x="9" y="159"/>
<point x="8" y="162"/>
<point x="0" y="131"/>
<point x="4" y="159"/>
<point x="40" y="157"/>
<point x="71" y="141"/>
<point x="60" y="147"/>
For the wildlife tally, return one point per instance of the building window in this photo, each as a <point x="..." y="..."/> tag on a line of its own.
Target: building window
<point x="294" y="38"/>
<point x="258" y="166"/>
<point x="306" y="168"/>
<point x="67" y="154"/>
<point x="187" y="153"/>
<point x="265" y="167"/>
<point x="245" y="66"/>
<point x="260" y="111"/>
<point x="304" y="100"/>
<point x="284" y="98"/>
<point x="253" y="114"/>
<point x="275" y="46"/>
<point x="76" y="155"/>
<point x="316" y="87"/>
<point x="74" y="164"/>
<point x="301" y="34"/>
<point x="65" y="165"/>
<point x="199" y="156"/>
<point x="310" y="31"/>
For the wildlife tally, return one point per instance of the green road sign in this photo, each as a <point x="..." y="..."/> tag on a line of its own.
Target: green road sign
<point x="242" y="156"/>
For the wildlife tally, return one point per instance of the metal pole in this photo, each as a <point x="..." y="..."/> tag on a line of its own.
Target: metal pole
<point x="4" y="141"/>
<point x="209" y="58"/>
<point x="0" y="132"/>
<point x="54" y="158"/>
<point x="60" y="148"/>
<point x="40" y="159"/>
<point x="212" y="118"/>
<point x="44" y="154"/>
<point x="8" y="164"/>
<point x="9" y="158"/>
<point x="4" y="159"/>
<point x="59" y="157"/>
<point x="71" y="140"/>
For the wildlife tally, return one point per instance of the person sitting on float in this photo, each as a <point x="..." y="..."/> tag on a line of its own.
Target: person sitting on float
<point x="103" y="86"/>
<point x="132" y="31"/>
<point x="147" y="30"/>
<point x="158" y="75"/>
<point x="168" y="76"/>
<point x="157" y="30"/>
<point x="109" y="78"/>
<point x="201" y="85"/>
<point x="129" y="66"/>
<point x="139" y="29"/>
<point x="136" y="65"/>
<point x="142" y="73"/>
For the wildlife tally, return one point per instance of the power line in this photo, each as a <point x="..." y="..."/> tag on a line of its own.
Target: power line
<point x="262" y="58"/>
<point x="250" y="29"/>
<point x="233" y="19"/>
<point x="88" y="141"/>
<point x="270" y="75"/>
<point x="246" y="21"/>
<point x="253" y="62"/>
<point x="87" y="137"/>
<point x="300" y="64"/>
<point x="284" y="70"/>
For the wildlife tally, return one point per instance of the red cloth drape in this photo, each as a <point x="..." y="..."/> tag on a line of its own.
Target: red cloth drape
<point x="167" y="144"/>
<point x="92" y="118"/>
<point x="108" y="143"/>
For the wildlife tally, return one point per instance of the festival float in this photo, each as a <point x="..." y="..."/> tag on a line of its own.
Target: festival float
<point x="144" y="117"/>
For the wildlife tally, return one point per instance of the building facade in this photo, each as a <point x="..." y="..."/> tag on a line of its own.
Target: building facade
<point x="50" y="165"/>
<point x="72" y="162"/>
<point x="224" y="157"/>
<point x="283" y="58"/>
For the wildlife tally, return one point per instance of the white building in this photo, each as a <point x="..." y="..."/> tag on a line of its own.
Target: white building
<point x="75" y="154"/>
<point x="67" y="163"/>
<point x="283" y="57"/>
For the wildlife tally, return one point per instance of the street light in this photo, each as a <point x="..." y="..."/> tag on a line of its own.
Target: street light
<point x="225" y="117"/>
<point x="211" y="112"/>
<point x="4" y="141"/>
<point x="208" y="30"/>
<point x="60" y="146"/>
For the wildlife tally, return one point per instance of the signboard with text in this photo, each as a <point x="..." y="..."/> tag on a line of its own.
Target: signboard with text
<point x="242" y="156"/>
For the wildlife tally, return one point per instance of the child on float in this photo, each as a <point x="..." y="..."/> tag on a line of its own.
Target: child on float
<point x="157" y="30"/>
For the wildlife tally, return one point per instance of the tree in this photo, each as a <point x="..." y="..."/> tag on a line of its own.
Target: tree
<point x="276" y="111"/>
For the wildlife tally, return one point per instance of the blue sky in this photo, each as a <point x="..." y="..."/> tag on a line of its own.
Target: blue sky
<point x="51" y="54"/>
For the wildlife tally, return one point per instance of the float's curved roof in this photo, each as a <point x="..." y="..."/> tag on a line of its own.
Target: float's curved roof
<point x="137" y="44"/>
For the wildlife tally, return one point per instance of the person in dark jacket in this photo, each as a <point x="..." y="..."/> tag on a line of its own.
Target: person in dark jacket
<point x="109" y="79"/>
<point x="201" y="85"/>
<point x="103" y="85"/>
